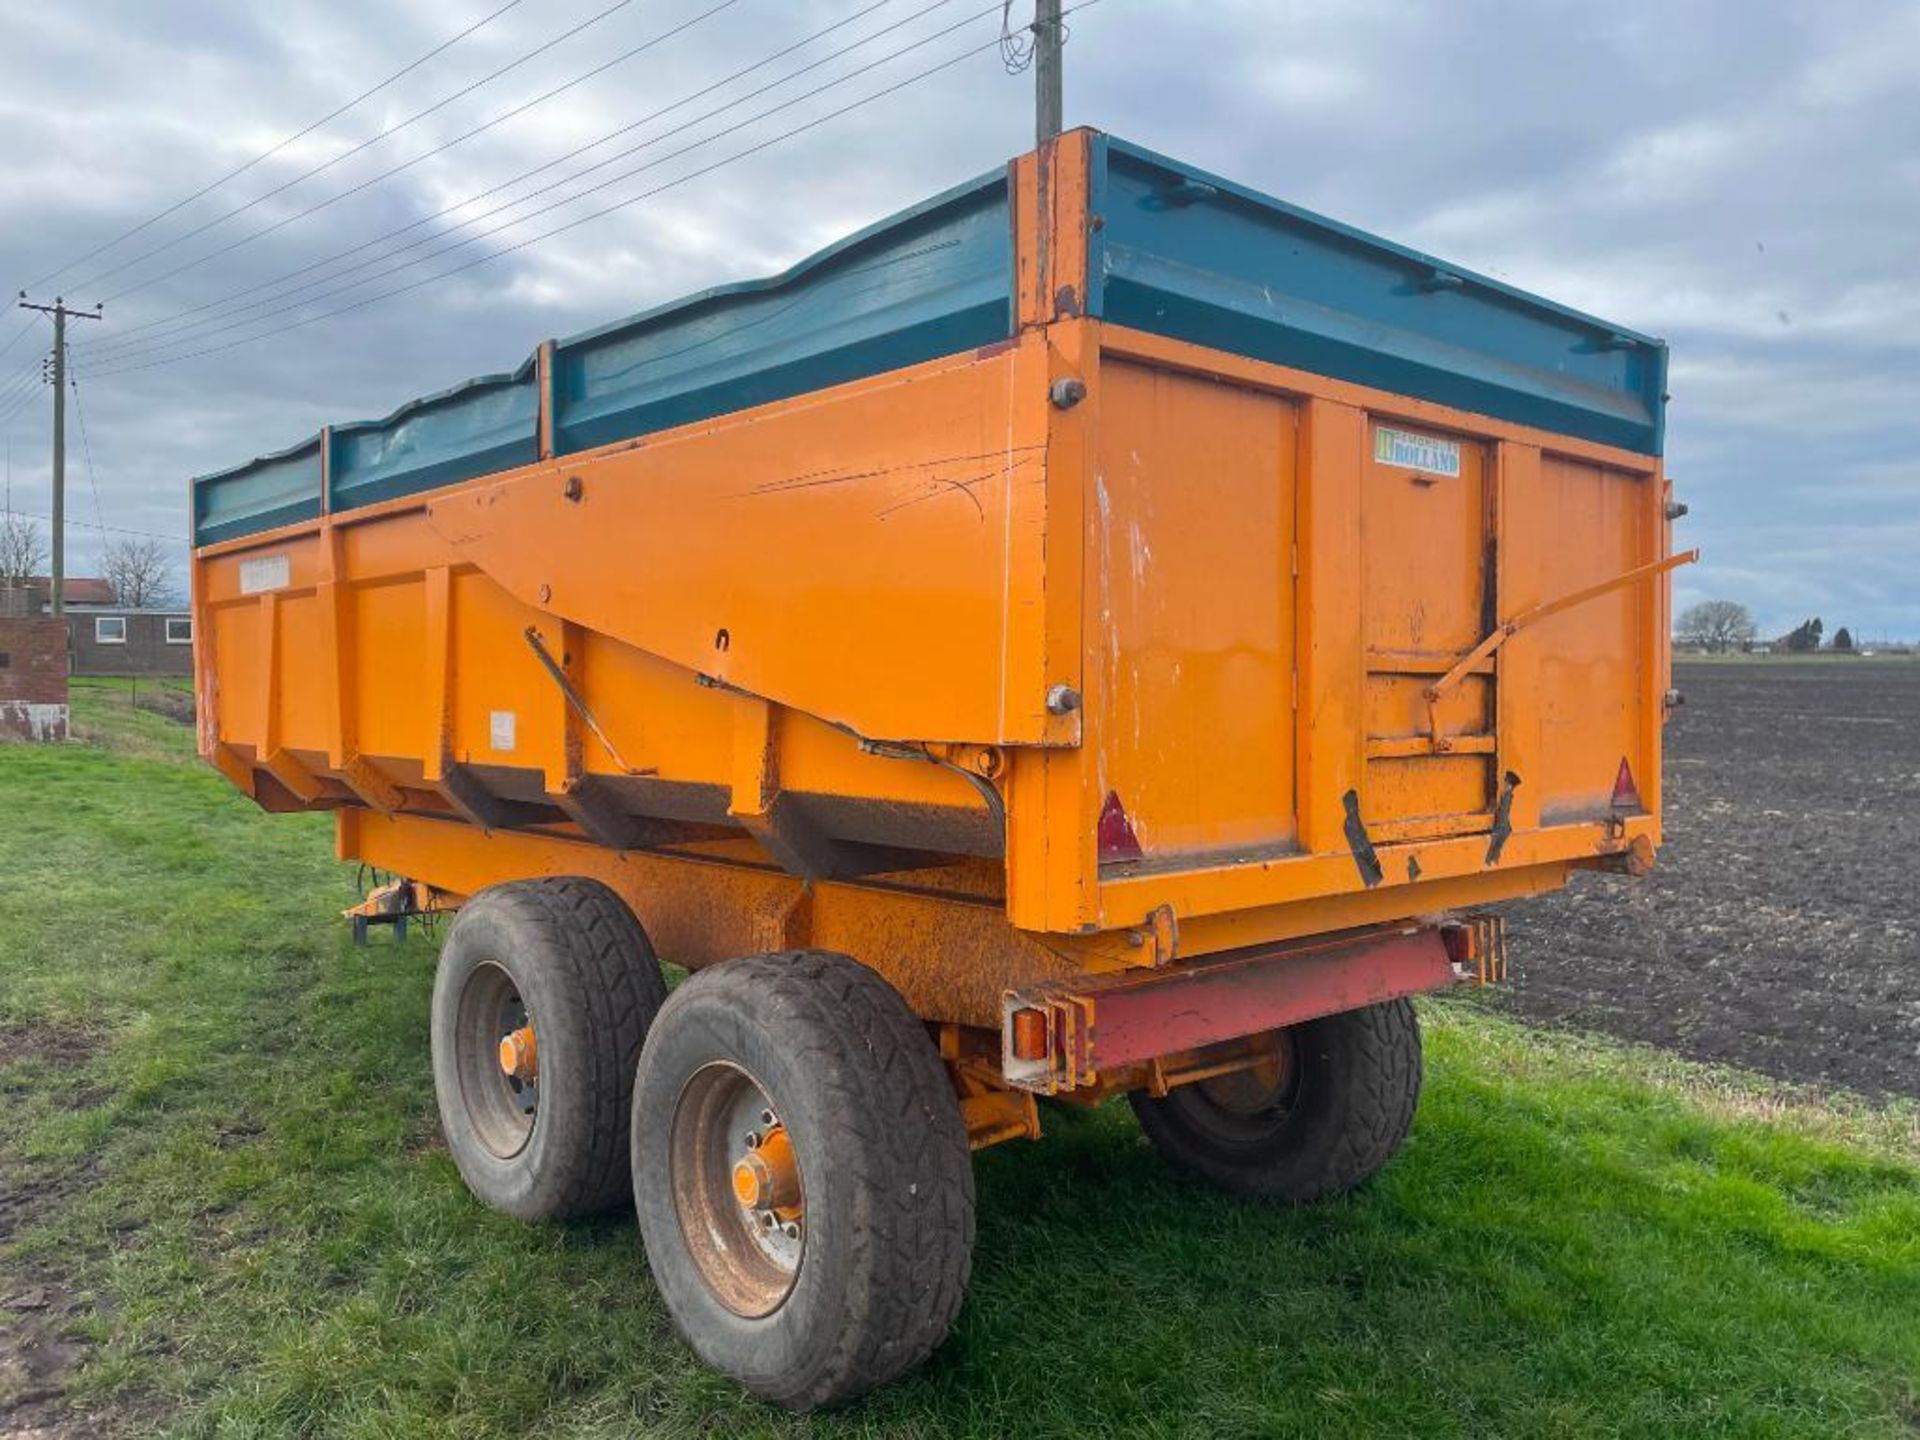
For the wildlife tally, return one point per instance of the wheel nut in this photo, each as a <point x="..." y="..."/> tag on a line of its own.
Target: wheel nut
<point x="791" y="1229"/>
<point x="766" y="1117"/>
<point x="752" y="1139"/>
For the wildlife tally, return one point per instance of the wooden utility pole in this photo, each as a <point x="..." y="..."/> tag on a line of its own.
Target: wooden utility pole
<point x="1048" y="79"/>
<point x="60" y="313"/>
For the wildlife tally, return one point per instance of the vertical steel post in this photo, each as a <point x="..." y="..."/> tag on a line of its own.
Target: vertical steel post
<point x="1049" y="79"/>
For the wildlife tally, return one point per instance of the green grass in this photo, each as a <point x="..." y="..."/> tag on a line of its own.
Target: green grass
<point x="105" y="715"/>
<point x="220" y="1118"/>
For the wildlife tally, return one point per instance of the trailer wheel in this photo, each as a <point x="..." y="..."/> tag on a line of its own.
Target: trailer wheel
<point x="1326" y="1113"/>
<point x="802" y="1176"/>
<point x="544" y="993"/>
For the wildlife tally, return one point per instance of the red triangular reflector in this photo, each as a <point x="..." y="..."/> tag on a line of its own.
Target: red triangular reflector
<point x="1626" y="794"/>
<point x="1116" y="837"/>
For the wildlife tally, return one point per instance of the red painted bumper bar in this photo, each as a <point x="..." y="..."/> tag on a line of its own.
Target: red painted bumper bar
<point x="1063" y="1035"/>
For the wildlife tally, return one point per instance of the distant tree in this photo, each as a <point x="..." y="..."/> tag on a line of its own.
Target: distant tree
<point x="1716" y="625"/>
<point x="1843" y="639"/>
<point x="23" y="551"/>
<point x="1805" y="635"/>
<point x="139" y="573"/>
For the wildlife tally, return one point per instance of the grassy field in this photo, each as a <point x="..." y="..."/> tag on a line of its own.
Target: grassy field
<point x="225" y="1211"/>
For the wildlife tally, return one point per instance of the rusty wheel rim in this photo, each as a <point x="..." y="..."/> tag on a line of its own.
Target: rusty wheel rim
<point x="503" y="1104"/>
<point x="1257" y="1098"/>
<point x="737" y="1190"/>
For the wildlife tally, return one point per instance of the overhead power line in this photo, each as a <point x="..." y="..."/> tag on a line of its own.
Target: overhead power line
<point x="18" y="394"/>
<point x="270" y="152"/>
<point x="108" y="529"/>
<point x="17" y="406"/>
<point x="86" y="446"/>
<point x="26" y="378"/>
<point x="734" y="128"/>
<point x="346" y="155"/>
<point x="755" y="148"/>
<point x="19" y="334"/>
<point x="16" y="409"/>
<point x="440" y="149"/>
<point x="131" y="341"/>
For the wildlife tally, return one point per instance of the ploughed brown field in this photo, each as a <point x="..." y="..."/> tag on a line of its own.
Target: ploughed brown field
<point x="1781" y="930"/>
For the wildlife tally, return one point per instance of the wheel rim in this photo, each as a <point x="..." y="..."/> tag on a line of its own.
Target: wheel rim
<point x="738" y="1190"/>
<point x="1246" y="1106"/>
<point x="498" y="1061"/>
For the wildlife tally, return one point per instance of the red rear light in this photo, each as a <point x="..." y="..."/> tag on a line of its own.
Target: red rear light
<point x="1116" y="838"/>
<point x="1626" y="794"/>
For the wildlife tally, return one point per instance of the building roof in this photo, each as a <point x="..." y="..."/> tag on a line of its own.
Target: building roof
<point x="78" y="589"/>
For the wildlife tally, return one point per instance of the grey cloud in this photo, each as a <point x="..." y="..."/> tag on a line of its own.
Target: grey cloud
<point x="1697" y="169"/>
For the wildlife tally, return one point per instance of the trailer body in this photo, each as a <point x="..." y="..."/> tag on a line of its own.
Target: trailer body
<point x="1097" y="568"/>
<point x="1103" y="631"/>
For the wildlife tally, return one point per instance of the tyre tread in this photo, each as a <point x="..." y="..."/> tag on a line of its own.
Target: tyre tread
<point x="611" y="979"/>
<point x="852" y="1031"/>
<point x="1372" y="1058"/>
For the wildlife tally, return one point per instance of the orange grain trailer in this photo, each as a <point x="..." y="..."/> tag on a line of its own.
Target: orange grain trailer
<point x="1102" y="631"/>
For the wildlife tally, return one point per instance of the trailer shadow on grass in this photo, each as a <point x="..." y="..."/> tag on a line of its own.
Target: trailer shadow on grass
<point x="251" y="1228"/>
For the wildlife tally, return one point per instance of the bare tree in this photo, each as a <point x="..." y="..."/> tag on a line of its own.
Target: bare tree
<point x="1716" y="625"/>
<point x="139" y="572"/>
<point x="23" y="550"/>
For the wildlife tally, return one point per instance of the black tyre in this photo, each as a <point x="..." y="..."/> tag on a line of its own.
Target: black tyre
<point x="802" y="1176"/>
<point x="1327" y="1112"/>
<point x="556" y="978"/>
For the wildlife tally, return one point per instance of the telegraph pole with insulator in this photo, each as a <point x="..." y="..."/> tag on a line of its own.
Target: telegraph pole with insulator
<point x="60" y="313"/>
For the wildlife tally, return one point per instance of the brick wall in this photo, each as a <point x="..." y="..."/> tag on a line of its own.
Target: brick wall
<point x="144" y="651"/>
<point x="33" y="678"/>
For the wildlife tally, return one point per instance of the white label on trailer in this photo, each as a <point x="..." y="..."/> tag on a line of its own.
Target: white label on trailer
<point x="500" y="728"/>
<point x="1417" y="452"/>
<point x="264" y="572"/>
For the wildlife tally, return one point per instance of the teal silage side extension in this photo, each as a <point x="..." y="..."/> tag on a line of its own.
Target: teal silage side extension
<point x="1180" y="253"/>
<point x="1194" y="257"/>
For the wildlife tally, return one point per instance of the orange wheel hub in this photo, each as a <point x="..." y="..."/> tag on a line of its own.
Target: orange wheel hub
<point x="518" y="1056"/>
<point x="767" y="1178"/>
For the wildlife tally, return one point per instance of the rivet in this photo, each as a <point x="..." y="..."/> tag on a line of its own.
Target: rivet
<point x="572" y="488"/>
<point x="546" y="593"/>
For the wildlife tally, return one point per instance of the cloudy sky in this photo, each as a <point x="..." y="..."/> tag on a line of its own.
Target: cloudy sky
<point x="1741" y="177"/>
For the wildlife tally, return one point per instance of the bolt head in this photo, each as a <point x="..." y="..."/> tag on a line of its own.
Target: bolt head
<point x="1062" y="700"/>
<point x="1067" y="392"/>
